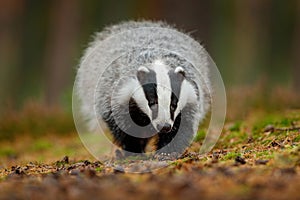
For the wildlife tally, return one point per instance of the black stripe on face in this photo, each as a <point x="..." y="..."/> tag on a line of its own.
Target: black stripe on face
<point x="137" y="115"/>
<point x="176" y="82"/>
<point x="149" y="84"/>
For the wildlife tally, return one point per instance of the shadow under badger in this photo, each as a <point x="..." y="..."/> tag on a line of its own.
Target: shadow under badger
<point x="151" y="92"/>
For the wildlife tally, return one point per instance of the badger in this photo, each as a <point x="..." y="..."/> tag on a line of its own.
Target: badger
<point x="148" y="82"/>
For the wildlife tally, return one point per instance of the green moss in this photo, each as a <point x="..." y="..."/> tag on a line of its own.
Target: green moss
<point x="266" y="142"/>
<point x="241" y="136"/>
<point x="236" y="126"/>
<point x="7" y="152"/>
<point x="41" y="158"/>
<point x="264" y="154"/>
<point x="230" y="156"/>
<point x="176" y="163"/>
<point x="200" y="136"/>
<point x="276" y="120"/>
<point x="297" y="138"/>
<point x="286" y="122"/>
<point x="41" y="145"/>
<point x="232" y="139"/>
<point x="180" y="161"/>
<point x="35" y="121"/>
<point x="260" y="124"/>
<point x="99" y="169"/>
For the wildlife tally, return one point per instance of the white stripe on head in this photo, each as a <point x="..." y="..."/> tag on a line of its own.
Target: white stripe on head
<point x="164" y="92"/>
<point x="187" y="95"/>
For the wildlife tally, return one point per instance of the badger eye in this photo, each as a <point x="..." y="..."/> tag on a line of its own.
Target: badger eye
<point x="173" y="107"/>
<point x="152" y="105"/>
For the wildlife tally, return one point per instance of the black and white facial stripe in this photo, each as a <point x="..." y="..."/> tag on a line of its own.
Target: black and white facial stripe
<point x="165" y="93"/>
<point x="147" y="79"/>
<point x="176" y="77"/>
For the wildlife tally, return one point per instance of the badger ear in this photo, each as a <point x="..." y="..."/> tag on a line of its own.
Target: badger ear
<point x="179" y="70"/>
<point x="142" y="74"/>
<point x="143" y="69"/>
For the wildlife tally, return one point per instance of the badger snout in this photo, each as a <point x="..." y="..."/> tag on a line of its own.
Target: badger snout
<point x="164" y="127"/>
<point x="163" y="123"/>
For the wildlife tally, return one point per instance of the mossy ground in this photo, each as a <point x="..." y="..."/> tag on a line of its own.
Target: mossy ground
<point x="256" y="157"/>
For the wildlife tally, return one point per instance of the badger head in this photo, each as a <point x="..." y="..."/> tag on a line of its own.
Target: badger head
<point x="160" y="93"/>
<point x="165" y="93"/>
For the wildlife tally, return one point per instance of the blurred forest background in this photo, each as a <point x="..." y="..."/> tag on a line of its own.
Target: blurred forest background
<point x="255" y="44"/>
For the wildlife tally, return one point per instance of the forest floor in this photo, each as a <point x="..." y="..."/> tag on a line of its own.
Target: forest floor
<point x="256" y="157"/>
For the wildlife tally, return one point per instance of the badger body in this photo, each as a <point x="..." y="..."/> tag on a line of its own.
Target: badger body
<point x="145" y="80"/>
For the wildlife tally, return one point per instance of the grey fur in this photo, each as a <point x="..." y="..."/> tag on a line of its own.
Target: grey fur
<point x="140" y="43"/>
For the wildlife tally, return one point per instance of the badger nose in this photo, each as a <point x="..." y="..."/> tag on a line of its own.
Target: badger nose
<point x="166" y="127"/>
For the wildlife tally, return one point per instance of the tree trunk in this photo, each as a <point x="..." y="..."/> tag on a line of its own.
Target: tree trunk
<point x="250" y="40"/>
<point x="193" y="16"/>
<point x="10" y="13"/>
<point x="59" y="54"/>
<point x="296" y="53"/>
